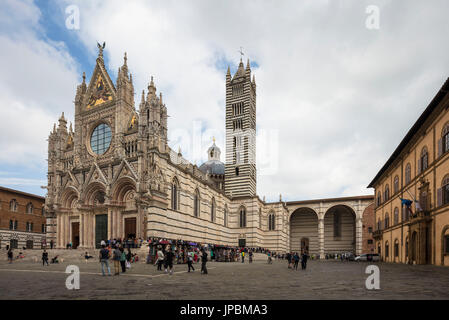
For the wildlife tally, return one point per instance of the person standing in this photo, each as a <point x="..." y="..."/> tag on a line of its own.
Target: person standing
<point x="169" y="256"/>
<point x="296" y="260"/>
<point x="203" y="262"/>
<point x="104" y="260"/>
<point x="289" y="260"/>
<point x="250" y="256"/>
<point x="190" y="261"/>
<point x="123" y="259"/>
<point x="269" y="257"/>
<point x="304" y="261"/>
<point x="44" y="257"/>
<point x="160" y="259"/>
<point x="117" y="255"/>
<point x="10" y="255"/>
<point x="51" y="244"/>
<point x="243" y="256"/>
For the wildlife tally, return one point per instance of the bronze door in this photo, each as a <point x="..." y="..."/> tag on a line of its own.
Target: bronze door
<point x="130" y="228"/>
<point x="75" y="235"/>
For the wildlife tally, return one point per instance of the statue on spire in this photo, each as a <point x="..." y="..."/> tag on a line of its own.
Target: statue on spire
<point x="100" y="48"/>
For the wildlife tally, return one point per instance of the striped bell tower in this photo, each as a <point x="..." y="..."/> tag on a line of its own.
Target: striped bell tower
<point x="240" y="165"/>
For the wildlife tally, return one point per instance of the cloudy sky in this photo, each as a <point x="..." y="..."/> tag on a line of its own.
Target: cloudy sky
<point x="334" y="98"/>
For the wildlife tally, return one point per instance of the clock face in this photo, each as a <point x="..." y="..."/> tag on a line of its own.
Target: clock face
<point x="100" y="94"/>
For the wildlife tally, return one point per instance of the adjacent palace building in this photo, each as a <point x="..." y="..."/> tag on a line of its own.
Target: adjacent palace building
<point x="22" y="220"/>
<point x="114" y="176"/>
<point x="418" y="170"/>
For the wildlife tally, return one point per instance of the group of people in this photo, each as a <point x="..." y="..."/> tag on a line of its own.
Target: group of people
<point x="121" y="258"/>
<point x="166" y="255"/>
<point x="293" y="259"/>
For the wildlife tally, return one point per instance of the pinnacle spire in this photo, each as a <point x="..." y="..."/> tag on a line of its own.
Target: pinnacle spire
<point x="84" y="77"/>
<point x="151" y="87"/>
<point x="248" y="65"/>
<point x="143" y="97"/>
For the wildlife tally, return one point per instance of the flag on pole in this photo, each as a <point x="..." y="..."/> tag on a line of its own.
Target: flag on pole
<point x="406" y="202"/>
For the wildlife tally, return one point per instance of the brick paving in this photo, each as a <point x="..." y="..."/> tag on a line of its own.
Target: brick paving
<point x="259" y="280"/>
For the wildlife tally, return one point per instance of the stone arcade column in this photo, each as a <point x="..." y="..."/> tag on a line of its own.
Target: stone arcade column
<point x="321" y="236"/>
<point x="358" y="235"/>
<point x="58" y="231"/>
<point x="82" y="227"/>
<point x="110" y="223"/>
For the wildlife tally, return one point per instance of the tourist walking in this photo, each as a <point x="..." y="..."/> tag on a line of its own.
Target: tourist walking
<point x="304" y="261"/>
<point x="104" y="260"/>
<point x="190" y="261"/>
<point x="10" y="255"/>
<point x="250" y="257"/>
<point x="289" y="259"/>
<point x="169" y="261"/>
<point x="269" y="258"/>
<point x="203" y="262"/>
<point x="44" y="257"/>
<point x="296" y="260"/>
<point x="123" y="259"/>
<point x="160" y="259"/>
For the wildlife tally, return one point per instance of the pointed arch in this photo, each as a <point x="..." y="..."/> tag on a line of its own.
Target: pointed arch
<point x="122" y="189"/>
<point x="13" y="205"/>
<point x="29" y="208"/>
<point x="175" y="194"/>
<point x="196" y="203"/>
<point x="212" y="210"/>
<point x="271" y="221"/>
<point x="68" y="197"/>
<point x="242" y="216"/>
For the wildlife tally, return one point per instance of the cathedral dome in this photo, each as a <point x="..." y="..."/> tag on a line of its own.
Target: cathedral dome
<point x="213" y="165"/>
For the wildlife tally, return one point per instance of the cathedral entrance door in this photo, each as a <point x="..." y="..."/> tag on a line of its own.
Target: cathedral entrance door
<point x="304" y="245"/>
<point x="101" y="229"/>
<point x="130" y="228"/>
<point x="75" y="235"/>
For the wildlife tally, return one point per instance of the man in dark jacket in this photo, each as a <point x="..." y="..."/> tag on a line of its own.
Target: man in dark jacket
<point x="304" y="261"/>
<point x="203" y="262"/>
<point x="169" y="260"/>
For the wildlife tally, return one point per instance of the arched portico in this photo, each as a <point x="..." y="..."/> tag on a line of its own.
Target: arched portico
<point x="304" y="231"/>
<point x="339" y="230"/>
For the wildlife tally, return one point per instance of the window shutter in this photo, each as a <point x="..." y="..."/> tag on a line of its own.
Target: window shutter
<point x="419" y="165"/>
<point x="439" y="197"/>
<point x="440" y="147"/>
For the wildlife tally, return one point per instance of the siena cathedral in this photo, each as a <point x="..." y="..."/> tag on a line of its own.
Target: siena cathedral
<point x="113" y="175"/>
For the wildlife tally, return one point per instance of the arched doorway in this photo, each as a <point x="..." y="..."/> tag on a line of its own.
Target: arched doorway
<point x="304" y="231"/>
<point x="413" y="247"/>
<point x="304" y="245"/>
<point x="339" y="230"/>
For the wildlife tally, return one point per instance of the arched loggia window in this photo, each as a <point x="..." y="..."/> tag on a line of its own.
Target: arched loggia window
<point x="271" y="222"/>
<point x="212" y="210"/>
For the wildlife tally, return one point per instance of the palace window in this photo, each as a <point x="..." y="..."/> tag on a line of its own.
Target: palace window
<point x="30" y="208"/>
<point x="387" y="220"/>
<point x="379" y="224"/>
<point x="406" y="248"/>
<point x="11" y="225"/>
<point x="387" y="193"/>
<point x="396" y="215"/>
<point x="196" y="204"/>
<point x="242" y="217"/>
<point x="13" y="205"/>
<point x="423" y="161"/>
<point x="43" y="228"/>
<point x="443" y="145"/>
<point x="100" y="139"/>
<point x="387" y="249"/>
<point x="175" y="195"/>
<point x="443" y="192"/>
<point x="396" y="184"/>
<point x="271" y="222"/>
<point x="408" y="173"/>
<point x="379" y="198"/>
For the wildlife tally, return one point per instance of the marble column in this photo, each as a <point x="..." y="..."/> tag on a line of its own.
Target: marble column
<point x="81" y="219"/>
<point x="58" y="231"/>
<point x="321" y="237"/>
<point x="358" y="236"/>
<point x="109" y="223"/>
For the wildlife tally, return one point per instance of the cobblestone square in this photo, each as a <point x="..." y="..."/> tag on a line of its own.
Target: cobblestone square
<point x="234" y="281"/>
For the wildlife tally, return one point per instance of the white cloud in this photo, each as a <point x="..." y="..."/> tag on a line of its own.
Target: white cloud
<point x="340" y="96"/>
<point x="37" y="84"/>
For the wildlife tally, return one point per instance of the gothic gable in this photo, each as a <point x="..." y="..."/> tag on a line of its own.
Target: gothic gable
<point x="100" y="90"/>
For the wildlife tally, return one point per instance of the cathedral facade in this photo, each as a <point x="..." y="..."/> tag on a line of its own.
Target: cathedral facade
<point x="114" y="176"/>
